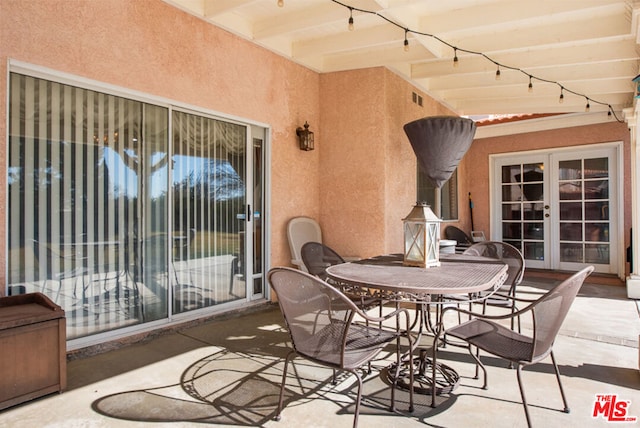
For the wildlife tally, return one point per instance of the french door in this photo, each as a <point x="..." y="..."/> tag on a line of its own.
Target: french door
<point x="560" y="208"/>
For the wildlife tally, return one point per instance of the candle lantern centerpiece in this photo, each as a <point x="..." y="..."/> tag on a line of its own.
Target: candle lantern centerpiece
<point x="421" y="237"/>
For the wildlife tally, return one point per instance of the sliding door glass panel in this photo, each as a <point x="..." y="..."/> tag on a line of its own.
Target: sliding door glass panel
<point x="258" y="212"/>
<point x="78" y="197"/>
<point x="208" y="232"/>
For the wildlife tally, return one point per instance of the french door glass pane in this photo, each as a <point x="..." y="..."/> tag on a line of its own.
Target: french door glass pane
<point x="523" y="208"/>
<point x="584" y="210"/>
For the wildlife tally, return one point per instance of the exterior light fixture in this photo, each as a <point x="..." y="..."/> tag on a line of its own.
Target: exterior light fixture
<point x="350" y="19"/>
<point x="406" y="41"/>
<point x="421" y="237"/>
<point x="305" y="137"/>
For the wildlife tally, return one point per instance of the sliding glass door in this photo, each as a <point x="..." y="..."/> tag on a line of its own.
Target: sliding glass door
<point x="209" y="199"/>
<point x="125" y="212"/>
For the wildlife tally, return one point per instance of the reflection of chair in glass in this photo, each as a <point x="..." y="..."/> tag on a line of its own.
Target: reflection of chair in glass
<point x="182" y="254"/>
<point x="59" y="267"/>
<point x="510" y="255"/>
<point x="301" y="230"/>
<point x="485" y="332"/>
<point x="110" y="279"/>
<point x="323" y="327"/>
<point x="237" y="263"/>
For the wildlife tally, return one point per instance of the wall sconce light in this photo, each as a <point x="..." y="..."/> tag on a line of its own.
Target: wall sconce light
<point x="305" y="137"/>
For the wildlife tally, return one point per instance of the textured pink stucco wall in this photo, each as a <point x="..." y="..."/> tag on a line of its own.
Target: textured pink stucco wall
<point x="368" y="169"/>
<point x="152" y="47"/>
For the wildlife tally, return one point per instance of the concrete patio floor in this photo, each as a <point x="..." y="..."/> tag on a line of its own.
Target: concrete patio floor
<point x="227" y="372"/>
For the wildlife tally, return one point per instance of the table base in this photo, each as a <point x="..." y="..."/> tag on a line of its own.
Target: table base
<point x="447" y="379"/>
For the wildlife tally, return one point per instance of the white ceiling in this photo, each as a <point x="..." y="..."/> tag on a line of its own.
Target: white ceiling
<point x="588" y="47"/>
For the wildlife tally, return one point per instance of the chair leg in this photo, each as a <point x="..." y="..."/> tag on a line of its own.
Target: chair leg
<point x="564" y="398"/>
<point x="355" y="417"/>
<point x="277" y="416"/>
<point x="479" y="364"/>
<point x="524" y="399"/>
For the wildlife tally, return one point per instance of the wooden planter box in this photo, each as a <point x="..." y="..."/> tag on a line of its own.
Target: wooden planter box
<point x="33" y="357"/>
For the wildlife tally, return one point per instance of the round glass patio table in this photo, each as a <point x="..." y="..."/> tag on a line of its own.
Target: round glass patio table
<point x="387" y="278"/>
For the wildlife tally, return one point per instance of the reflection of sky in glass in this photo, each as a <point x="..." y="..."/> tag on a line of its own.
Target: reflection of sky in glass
<point x="216" y="175"/>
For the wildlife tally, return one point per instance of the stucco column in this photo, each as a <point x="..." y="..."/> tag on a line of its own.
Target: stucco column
<point x="633" y="280"/>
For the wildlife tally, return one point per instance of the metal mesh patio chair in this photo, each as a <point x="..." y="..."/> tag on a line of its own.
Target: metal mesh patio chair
<point x="463" y="241"/>
<point x="547" y="312"/>
<point x="324" y="328"/>
<point x="510" y="255"/>
<point x="318" y="257"/>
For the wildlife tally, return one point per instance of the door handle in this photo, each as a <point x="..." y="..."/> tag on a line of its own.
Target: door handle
<point x="546" y="207"/>
<point x="546" y="215"/>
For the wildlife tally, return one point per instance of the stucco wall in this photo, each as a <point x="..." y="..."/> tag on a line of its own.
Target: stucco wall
<point x="368" y="169"/>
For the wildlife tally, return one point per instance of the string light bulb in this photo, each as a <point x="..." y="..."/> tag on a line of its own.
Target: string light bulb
<point x="280" y="3"/>
<point x="406" y="41"/>
<point x="350" y="19"/>
<point x="611" y="112"/>
<point x="587" y="107"/>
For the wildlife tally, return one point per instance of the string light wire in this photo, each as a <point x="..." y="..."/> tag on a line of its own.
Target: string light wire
<point x="499" y="65"/>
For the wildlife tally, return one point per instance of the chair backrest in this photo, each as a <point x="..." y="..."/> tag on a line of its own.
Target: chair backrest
<point x="456" y="234"/>
<point x="318" y="257"/>
<point x="317" y="315"/>
<point x="550" y="310"/>
<point x="506" y="253"/>
<point x="301" y="230"/>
